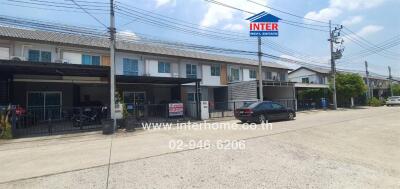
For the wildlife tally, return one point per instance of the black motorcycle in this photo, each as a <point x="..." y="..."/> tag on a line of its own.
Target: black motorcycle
<point x="88" y="116"/>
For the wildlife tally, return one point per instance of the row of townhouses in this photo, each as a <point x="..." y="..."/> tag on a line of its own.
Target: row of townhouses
<point x="313" y="77"/>
<point x="46" y="72"/>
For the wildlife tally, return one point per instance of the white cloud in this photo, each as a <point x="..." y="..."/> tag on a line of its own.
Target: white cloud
<point x="355" y="4"/>
<point x="352" y="20"/>
<point x="127" y="34"/>
<point x="364" y="32"/>
<point x="368" y="30"/>
<point x="233" y="27"/>
<point x="216" y="13"/>
<point x="324" y="14"/>
<point x="160" y="3"/>
<point x="336" y="7"/>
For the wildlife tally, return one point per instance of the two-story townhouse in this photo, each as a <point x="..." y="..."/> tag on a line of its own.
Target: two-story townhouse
<point x="48" y="72"/>
<point x="318" y="78"/>
<point x="243" y="83"/>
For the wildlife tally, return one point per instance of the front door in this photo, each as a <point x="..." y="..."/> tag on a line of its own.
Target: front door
<point x="44" y="105"/>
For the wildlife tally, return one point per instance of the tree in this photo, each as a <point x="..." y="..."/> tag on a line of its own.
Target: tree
<point x="349" y="85"/>
<point x="396" y="89"/>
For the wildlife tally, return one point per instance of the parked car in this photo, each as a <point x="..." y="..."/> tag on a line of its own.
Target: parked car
<point x="259" y="112"/>
<point x="394" y="100"/>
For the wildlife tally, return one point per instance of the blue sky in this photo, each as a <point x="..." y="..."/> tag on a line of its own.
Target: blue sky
<point x="374" y="20"/>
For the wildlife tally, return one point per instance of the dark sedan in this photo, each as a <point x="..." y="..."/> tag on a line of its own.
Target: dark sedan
<point x="259" y="112"/>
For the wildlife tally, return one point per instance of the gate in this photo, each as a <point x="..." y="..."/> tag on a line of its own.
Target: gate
<point x="34" y="122"/>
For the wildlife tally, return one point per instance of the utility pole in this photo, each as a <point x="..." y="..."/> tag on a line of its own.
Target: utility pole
<point x="333" y="66"/>
<point x="260" y="80"/>
<point x="112" y="64"/>
<point x="335" y="54"/>
<point x="390" y="80"/>
<point x="367" y="78"/>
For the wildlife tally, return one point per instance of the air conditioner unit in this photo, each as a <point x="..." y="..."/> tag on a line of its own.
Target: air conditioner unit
<point x="17" y="58"/>
<point x="62" y="61"/>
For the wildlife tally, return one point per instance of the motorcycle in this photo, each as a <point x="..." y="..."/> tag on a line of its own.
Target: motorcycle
<point x="88" y="116"/>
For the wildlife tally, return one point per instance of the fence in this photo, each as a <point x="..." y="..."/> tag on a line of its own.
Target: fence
<point x="158" y="113"/>
<point x="57" y="120"/>
<point x="226" y="109"/>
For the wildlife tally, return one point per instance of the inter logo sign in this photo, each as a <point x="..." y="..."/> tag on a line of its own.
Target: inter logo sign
<point x="264" y="24"/>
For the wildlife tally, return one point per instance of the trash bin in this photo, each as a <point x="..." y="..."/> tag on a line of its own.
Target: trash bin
<point x="324" y="103"/>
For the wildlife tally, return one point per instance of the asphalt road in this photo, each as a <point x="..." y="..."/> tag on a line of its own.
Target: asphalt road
<point x="356" y="148"/>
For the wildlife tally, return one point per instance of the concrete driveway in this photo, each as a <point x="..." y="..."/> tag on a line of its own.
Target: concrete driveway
<point x="356" y="148"/>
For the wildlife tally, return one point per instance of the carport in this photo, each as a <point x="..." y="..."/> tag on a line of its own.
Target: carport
<point x="281" y="92"/>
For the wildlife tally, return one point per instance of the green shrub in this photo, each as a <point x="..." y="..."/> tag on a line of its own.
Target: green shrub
<point x="375" y="102"/>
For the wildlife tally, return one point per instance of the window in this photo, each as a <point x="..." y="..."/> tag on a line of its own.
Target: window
<point x="34" y="55"/>
<point x="215" y="70"/>
<point x="268" y="75"/>
<point x="90" y="60"/>
<point x="321" y="80"/>
<point x="45" y="105"/>
<point x="191" y="71"/>
<point x="45" y="56"/>
<point x="265" y="106"/>
<point x="164" y="67"/>
<point x="192" y="97"/>
<point x="253" y="74"/>
<point x="305" y="80"/>
<point x="130" y="66"/>
<point x="276" y="106"/>
<point x="234" y="74"/>
<point x="39" y="56"/>
<point x="282" y="76"/>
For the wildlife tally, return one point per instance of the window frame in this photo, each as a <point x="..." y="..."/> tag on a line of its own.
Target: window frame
<point x="40" y="55"/>
<point x="303" y="79"/>
<point x="135" y="65"/>
<point x="268" y="75"/>
<point x="238" y="74"/>
<point x="192" y="71"/>
<point x="194" y="97"/>
<point x="254" y="74"/>
<point x="164" y="66"/>
<point x="215" y="70"/>
<point x="91" y="59"/>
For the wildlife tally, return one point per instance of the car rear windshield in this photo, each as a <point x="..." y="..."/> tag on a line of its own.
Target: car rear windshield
<point x="250" y="105"/>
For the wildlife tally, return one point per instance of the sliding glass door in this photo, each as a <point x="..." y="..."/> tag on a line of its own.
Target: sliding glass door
<point x="44" y="105"/>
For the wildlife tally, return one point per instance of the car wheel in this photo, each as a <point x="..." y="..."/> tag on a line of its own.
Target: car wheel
<point x="290" y="116"/>
<point x="261" y="119"/>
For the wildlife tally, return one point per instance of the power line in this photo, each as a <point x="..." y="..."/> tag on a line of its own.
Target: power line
<point x="292" y="23"/>
<point x="89" y="13"/>
<point x="392" y="42"/>
<point x="373" y="50"/>
<point x="47" y="7"/>
<point x="288" y="13"/>
<point x="369" y="43"/>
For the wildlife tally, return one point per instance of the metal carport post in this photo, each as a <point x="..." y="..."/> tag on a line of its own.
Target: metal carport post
<point x="198" y="105"/>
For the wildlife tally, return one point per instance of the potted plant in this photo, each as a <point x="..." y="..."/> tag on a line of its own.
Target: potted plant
<point x="5" y="124"/>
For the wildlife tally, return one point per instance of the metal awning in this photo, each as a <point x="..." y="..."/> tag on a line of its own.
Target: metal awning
<point x="154" y="80"/>
<point x="311" y="85"/>
<point x="278" y="84"/>
<point x="11" y="67"/>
